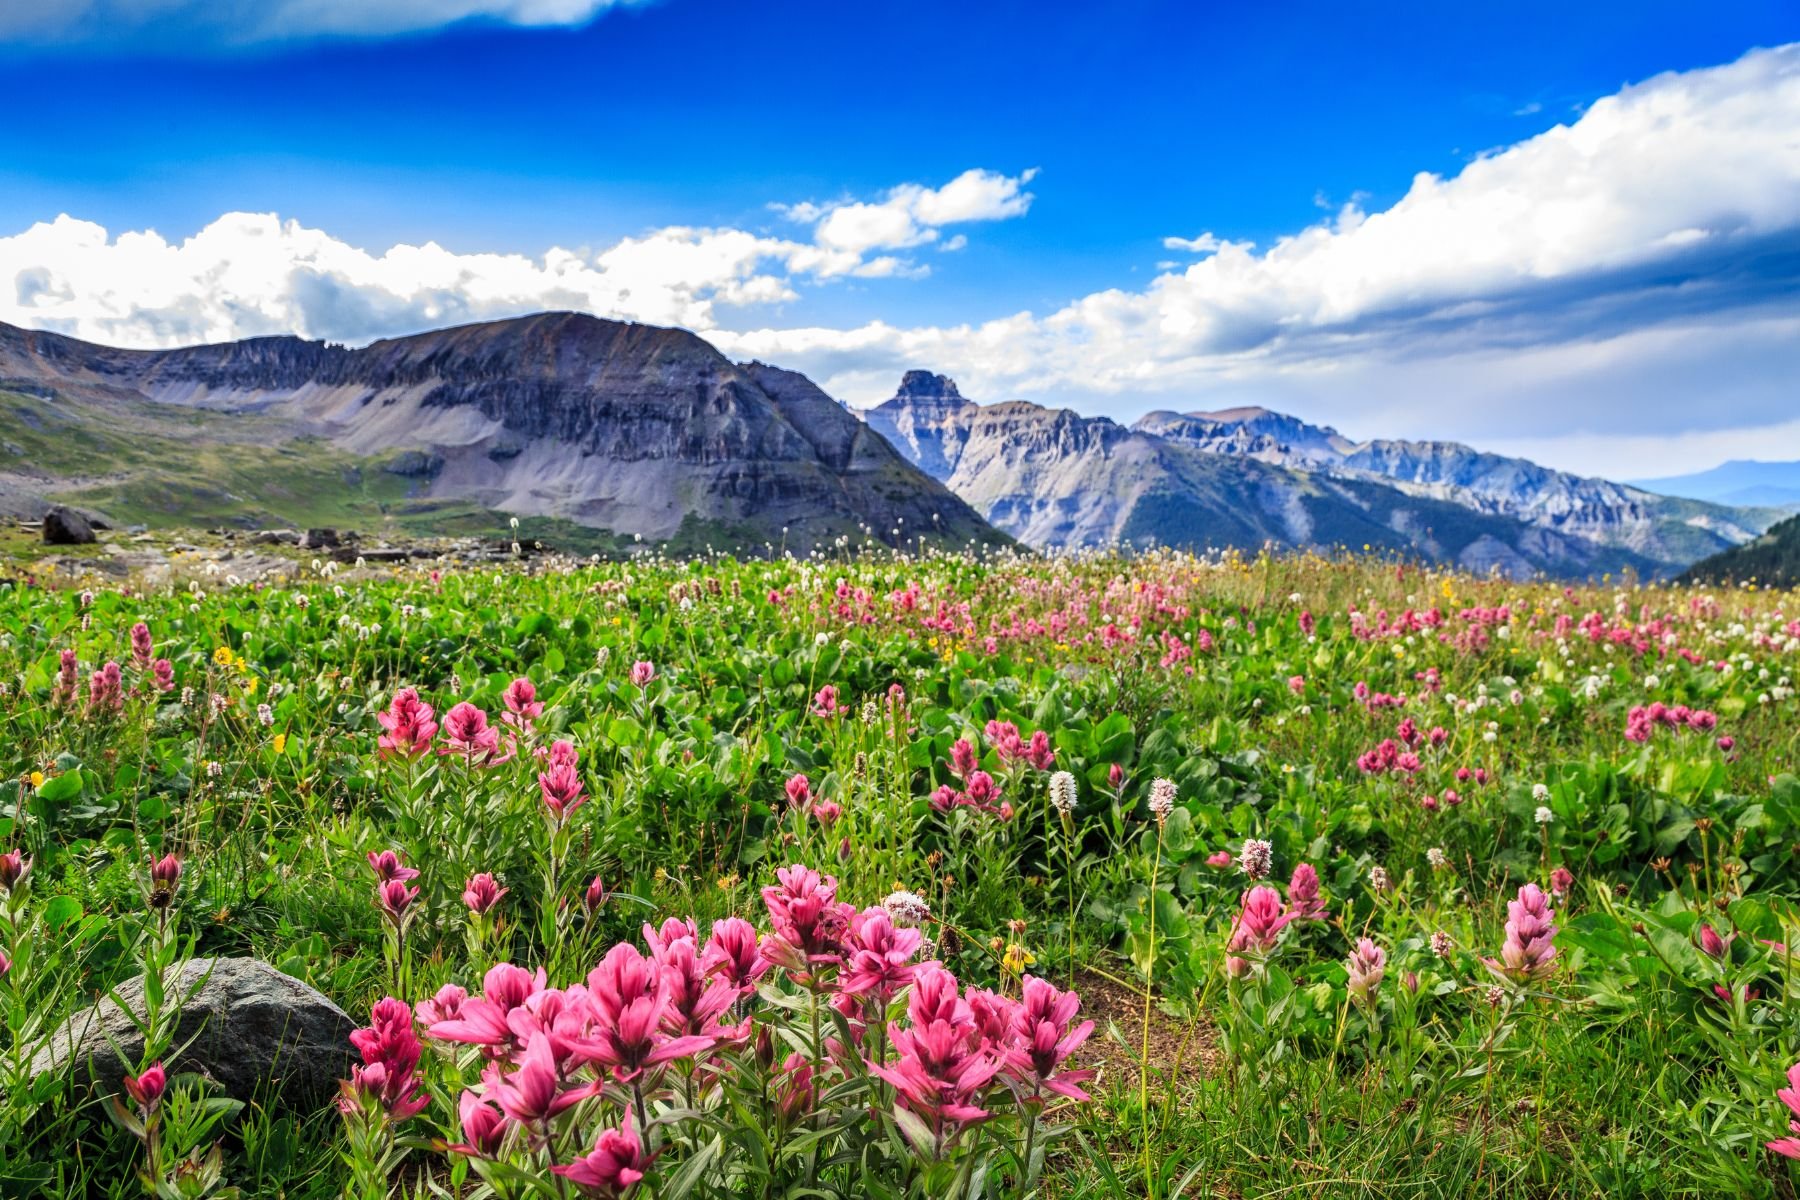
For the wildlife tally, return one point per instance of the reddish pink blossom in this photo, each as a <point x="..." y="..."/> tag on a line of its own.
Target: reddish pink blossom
<point x="799" y="792"/>
<point x="879" y="956"/>
<point x="387" y="1077"/>
<point x="1529" y="952"/>
<point x="642" y="673"/>
<point x="483" y="1126"/>
<point x="1257" y="928"/>
<point x="1303" y="894"/>
<point x="732" y="953"/>
<point x="962" y="758"/>
<point x="809" y="922"/>
<point x="561" y="789"/>
<point x="146" y="1090"/>
<point x="1045" y="1035"/>
<point x="407" y="725"/>
<point x="1789" y="1147"/>
<point x="482" y="893"/>
<point x="825" y="702"/>
<point x="387" y="867"/>
<point x="629" y="998"/>
<point x="143" y="649"/>
<point x="522" y="704"/>
<point x="468" y="735"/>
<point x="615" y="1165"/>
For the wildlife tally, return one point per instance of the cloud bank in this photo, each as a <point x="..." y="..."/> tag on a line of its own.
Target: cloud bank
<point x="1636" y="271"/>
<point x="201" y="24"/>
<point x="247" y="274"/>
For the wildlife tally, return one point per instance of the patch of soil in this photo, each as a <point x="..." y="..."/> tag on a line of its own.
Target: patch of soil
<point x="1178" y="1050"/>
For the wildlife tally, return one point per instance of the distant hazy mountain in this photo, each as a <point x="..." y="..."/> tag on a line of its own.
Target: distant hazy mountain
<point x="1248" y="475"/>
<point x="631" y="429"/>
<point x="1740" y="481"/>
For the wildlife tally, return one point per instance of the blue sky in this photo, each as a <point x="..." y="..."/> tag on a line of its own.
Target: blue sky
<point x="657" y="145"/>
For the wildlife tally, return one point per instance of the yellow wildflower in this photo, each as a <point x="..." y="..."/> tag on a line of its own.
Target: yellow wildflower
<point x="280" y="743"/>
<point x="37" y="779"/>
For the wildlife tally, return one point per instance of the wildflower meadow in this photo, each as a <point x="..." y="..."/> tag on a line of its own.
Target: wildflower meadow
<point x="912" y="875"/>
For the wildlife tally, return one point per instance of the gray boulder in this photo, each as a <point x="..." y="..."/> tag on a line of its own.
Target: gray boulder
<point x="66" y="527"/>
<point x="259" y="1034"/>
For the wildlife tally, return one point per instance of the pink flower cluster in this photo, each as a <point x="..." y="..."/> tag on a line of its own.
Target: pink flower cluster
<point x="548" y="1049"/>
<point x="1529" y="952"/>
<point x="1644" y="719"/>
<point x="387" y="1079"/>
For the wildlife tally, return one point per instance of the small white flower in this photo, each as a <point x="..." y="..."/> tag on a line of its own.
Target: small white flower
<point x="1257" y="857"/>
<point x="1437" y="858"/>
<point x="1543" y="816"/>
<point x="907" y="910"/>
<point x="1063" y="792"/>
<point x="1540" y="792"/>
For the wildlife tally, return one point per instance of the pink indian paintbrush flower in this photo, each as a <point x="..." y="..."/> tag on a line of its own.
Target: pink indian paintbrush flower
<point x="1711" y="944"/>
<point x="165" y="878"/>
<point x="825" y="702"/>
<point x="146" y="1090"/>
<point x="697" y="999"/>
<point x="15" y="869"/>
<point x="445" y="1005"/>
<point x="826" y="812"/>
<point x="395" y="898"/>
<point x="483" y="1020"/>
<point x="483" y="1126"/>
<point x="1366" y="965"/>
<point x="1260" y="920"/>
<point x="963" y="759"/>
<point x="482" y="893"/>
<point x="387" y="1077"/>
<point x="615" y="1165"/>
<point x="629" y="999"/>
<point x="534" y="1090"/>
<point x="642" y="672"/>
<point x="387" y="866"/>
<point x="809" y="922"/>
<point x="1038" y="752"/>
<point x="106" y="692"/>
<point x="799" y="792"/>
<point x="1529" y="952"/>
<point x="407" y="726"/>
<point x="943" y="1065"/>
<point x="143" y="649"/>
<point x="162" y="674"/>
<point x="561" y="789"/>
<point x="1789" y="1147"/>
<point x="879" y="962"/>
<point x="467" y="735"/>
<point x="522" y="705"/>
<point x="1045" y="1035"/>
<point x="1303" y="894"/>
<point x="733" y="955"/>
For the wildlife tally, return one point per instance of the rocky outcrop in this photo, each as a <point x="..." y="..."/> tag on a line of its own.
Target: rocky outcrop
<point x="243" y="1024"/>
<point x="66" y="527"/>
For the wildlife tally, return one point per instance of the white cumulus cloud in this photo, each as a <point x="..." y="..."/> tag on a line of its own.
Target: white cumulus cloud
<point x="247" y="274"/>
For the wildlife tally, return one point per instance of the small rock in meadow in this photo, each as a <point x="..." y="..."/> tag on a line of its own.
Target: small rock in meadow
<point x="260" y="1034"/>
<point x="66" y="527"/>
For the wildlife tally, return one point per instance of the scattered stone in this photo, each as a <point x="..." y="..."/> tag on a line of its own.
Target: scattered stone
<point x="415" y="464"/>
<point x="254" y="1031"/>
<point x="277" y="537"/>
<point x="66" y="527"/>
<point x="320" y="539"/>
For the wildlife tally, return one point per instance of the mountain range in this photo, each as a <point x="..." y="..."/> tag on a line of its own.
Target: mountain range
<point x="634" y="430"/>
<point x="1243" y="476"/>
<point x="1739" y="481"/>
<point x="597" y="433"/>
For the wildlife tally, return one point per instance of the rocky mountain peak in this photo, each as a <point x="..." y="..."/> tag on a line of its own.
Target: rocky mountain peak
<point x="924" y="387"/>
